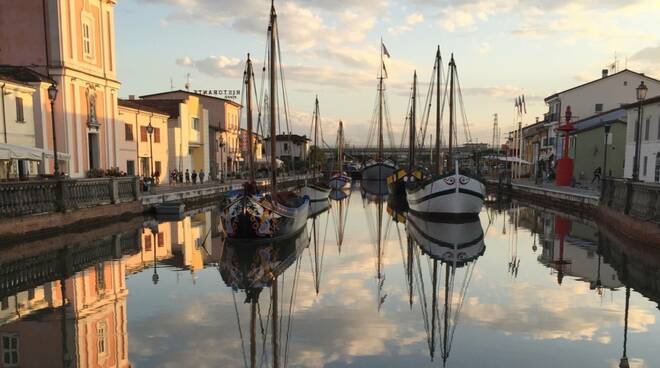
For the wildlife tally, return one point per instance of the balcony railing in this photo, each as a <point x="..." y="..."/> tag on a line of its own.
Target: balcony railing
<point x="52" y="195"/>
<point x="550" y="117"/>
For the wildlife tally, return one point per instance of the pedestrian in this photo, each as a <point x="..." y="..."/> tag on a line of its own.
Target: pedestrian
<point x="173" y="177"/>
<point x="596" y="175"/>
<point x="201" y="176"/>
<point x="180" y="176"/>
<point x="194" y="176"/>
<point x="187" y="176"/>
<point x="157" y="177"/>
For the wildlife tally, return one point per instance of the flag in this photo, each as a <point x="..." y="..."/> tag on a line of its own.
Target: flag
<point x="515" y="100"/>
<point x="520" y="105"/>
<point x="524" y="104"/>
<point x="385" y="52"/>
<point x="384" y="70"/>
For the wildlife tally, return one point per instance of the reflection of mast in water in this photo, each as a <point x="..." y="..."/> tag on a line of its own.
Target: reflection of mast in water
<point x="457" y="247"/>
<point x="514" y="261"/>
<point x="318" y="246"/>
<point x="562" y="229"/>
<point x="340" y="212"/>
<point x="380" y="276"/>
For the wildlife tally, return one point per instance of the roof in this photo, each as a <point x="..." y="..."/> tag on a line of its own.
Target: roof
<point x="192" y="94"/>
<point x="295" y="138"/>
<point x="135" y="104"/>
<point x="23" y="74"/>
<point x="598" y="80"/>
<point x="595" y="121"/>
<point x="168" y="107"/>
<point x="648" y="101"/>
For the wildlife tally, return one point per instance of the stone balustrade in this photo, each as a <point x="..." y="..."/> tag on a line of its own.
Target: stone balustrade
<point x="53" y="195"/>
<point x="640" y="200"/>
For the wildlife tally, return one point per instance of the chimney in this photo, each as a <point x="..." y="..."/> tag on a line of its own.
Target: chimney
<point x="131" y="97"/>
<point x="605" y="72"/>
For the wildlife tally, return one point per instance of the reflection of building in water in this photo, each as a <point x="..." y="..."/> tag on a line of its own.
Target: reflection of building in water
<point x="191" y="240"/>
<point x="571" y="249"/>
<point x="88" y="331"/>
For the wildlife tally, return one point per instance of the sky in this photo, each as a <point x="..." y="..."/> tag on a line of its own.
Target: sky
<point x="330" y="48"/>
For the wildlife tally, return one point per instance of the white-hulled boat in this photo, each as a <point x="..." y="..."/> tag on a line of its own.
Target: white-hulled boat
<point x="340" y="180"/>
<point x="454" y="194"/>
<point x="253" y="215"/>
<point x="316" y="189"/>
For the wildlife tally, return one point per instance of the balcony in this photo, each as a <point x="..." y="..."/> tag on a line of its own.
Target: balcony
<point x="550" y="117"/>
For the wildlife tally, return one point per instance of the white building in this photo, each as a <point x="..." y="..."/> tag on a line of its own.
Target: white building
<point x="288" y="146"/>
<point x="649" y="163"/>
<point x="609" y="92"/>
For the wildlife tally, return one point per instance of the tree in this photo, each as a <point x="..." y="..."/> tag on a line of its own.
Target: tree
<point x="316" y="157"/>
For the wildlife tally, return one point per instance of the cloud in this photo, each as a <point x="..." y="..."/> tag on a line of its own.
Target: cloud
<point x="408" y="23"/>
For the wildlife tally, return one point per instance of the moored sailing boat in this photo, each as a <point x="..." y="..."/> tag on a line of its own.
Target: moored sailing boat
<point x="375" y="171"/>
<point x="253" y="215"/>
<point x="452" y="194"/>
<point x="340" y="180"/>
<point x="316" y="189"/>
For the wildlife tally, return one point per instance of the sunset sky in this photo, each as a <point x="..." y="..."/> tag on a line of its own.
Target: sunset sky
<point x="503" y="48"/>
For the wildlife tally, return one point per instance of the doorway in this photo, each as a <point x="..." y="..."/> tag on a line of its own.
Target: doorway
<point x="94" y="156"/>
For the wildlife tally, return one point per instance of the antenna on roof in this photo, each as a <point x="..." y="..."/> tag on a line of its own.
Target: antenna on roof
<point x="171" y="84"/>
<point x="187" y="82"/>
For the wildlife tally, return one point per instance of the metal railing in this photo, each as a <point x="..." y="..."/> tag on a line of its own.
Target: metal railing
<point x="640" y="200"/>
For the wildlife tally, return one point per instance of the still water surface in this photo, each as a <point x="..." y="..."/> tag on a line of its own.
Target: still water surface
<point x="522" y="287"/>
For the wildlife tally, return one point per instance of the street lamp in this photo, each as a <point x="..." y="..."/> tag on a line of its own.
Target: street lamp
<point x="221" y="144"/>
<point x="608" y="126"/>
<point x="52" y="95"/>
<point x="150" y="131"/>
<point x="641" y="96"/>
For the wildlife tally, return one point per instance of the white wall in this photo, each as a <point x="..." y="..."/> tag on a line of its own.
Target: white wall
<point x="649" y="148"/>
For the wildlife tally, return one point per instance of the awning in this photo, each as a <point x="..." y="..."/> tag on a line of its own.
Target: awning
<point x="507" y="159"/>
<point x="14" y="152"/>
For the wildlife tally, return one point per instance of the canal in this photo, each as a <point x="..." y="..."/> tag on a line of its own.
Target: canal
<point x="362" y="287"/>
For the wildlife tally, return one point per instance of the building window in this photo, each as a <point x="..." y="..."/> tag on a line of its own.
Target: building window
<point x="195" y="123"/>
<point x="143" y="134"/>
<point x="161" y="240"/>
<point x="599" y="107"/>
<point x="5" y="303"/>
<point x="88" y="37"/>
<point x="286" y="147"/>
<point x="658" y="134"/>
<point x="19" y="110"/>
<point x="130" y="167"/>
<point x="100" y="277"/>
<point x="648" y="127"/>
<point x="102" y="337"/>
<point x="128" y="132"/>
<point x="157" y="167"/>
<point x="625" y="83"/>
<point x="30" y="294"/>
<point x="156" y="135"/>
<point x="646" y="161"/>
<point x="10" y="350"/>
<point x="147" y="243"/>
<point x="657" y="167"/>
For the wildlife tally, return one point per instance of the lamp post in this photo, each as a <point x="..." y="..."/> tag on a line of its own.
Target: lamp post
<point x="221" y="144"/>
<point x="52" y="95"/>
<point x="150" y="131"/>
<point x="641" y="96"/>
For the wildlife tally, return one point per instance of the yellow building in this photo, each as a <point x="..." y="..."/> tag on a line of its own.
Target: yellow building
<point x="223" y="130"/>
<point x="72" y="42"/>
<point x="136" y="148"/>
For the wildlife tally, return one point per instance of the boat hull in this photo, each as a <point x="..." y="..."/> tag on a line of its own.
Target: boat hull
<point x="458" y="243"/>
<point x="377" y="171"/>
<point x="316" y="192"/>
<point x="339" y="182"/>
<point x="452" y="196"/>
<point x="252" y="217"/>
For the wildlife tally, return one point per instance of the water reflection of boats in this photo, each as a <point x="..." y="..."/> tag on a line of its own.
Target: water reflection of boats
<point x="373" y="189"/>
<point x="375" y="224"/>
<point x="456" y="246"/>
<point x="342" y="201"/>
<point x="318" y="207"/>
<point x="318" y="223"/>
<point x="254" y="267"/>
<point x="339" y="195"/>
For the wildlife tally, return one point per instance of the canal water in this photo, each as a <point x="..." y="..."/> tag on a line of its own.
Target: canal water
<point x="362" y="286"/>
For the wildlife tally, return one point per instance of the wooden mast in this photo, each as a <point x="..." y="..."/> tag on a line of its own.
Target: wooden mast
<point x="248" y="88"/>
<point x="380" y="104"/>
<point x="413" y="131"/>
<point x="273" y="120"/>
<point x="316" y="132"/>
<point x="452" y="71"/>
<point x="438" y="63"/>
<point x="340" y="135"/>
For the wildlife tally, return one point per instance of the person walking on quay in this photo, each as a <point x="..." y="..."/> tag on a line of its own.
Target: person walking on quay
<point x="180" y="176"/>
<point x="201" y="176"/>
<point x="157" y="177"/>
<point x="194" y="176"/>
<point x="187" y="176"/>
<point x="596" y="175"/>
<point x="173" y="177"/>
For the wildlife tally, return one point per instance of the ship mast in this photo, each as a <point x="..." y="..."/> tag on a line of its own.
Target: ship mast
<point x="273" y="120"/>
<point x="452" y="71"/>
<point x="248" y="83"/>
<point x="438" y="63"/>
<point x="413" y="111"/>
<point x="380" y="104"/>
<point x="340" y="138"/>
<point x="316" y="131"/>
